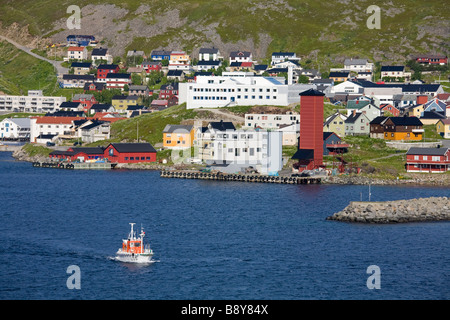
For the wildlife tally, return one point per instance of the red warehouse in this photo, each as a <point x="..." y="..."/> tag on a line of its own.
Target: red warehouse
<point x="432" y="160"/>
<point x="130" y="152"/>
<point x="310" y="148"/>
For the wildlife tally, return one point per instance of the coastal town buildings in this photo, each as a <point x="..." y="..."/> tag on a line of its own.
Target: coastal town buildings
<point x="178" y="136"/>
<point x="428" y="160"/>
<point x="34" y="102"/>
<point x="15" y="128"/>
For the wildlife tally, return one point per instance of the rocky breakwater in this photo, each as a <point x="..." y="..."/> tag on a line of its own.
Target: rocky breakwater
<point x="414" y="210"/>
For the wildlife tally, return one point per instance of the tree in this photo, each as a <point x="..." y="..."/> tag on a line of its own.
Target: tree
<point x="136" y="79"/>
<point x="303" y="79"/>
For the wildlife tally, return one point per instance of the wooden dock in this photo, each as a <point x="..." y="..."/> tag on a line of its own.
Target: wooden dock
<point x="257" y="178"/>
<point x="76" y="165"/>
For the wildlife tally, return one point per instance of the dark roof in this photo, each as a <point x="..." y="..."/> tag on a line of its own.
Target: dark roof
<point x="222" y="125"/>
<point x="100" y="106"/>
<point x="88" y="150"/>
<point x="405" y="121"/>
<point x="311" y="92"/>
<point x="78" y="77"/>
<point x="260" y="67"/>
<point x="378" y="120"/>
<point x="133" y="147"/>
<point x="283" y="54"/>
<point x="81" y="65"/>
<point x="107" y="66"/>
<point x="339" y="74"/>
<point x="99" y="52"/>
<point x="209" y="50"/>
<point x="428" y="151"/>
<point x="277" y="70"/>
<point x="326" y="135"/>
<point x="160" y="53"/>
<point x="61" y="113"/>
<point x="203" y="73"/>
<point x="240" y="54"/>
<point x="304" y="154"/>
<point x="94" y="124"/>
<point x="353" y="117"/>
<point x="174" y="86"/>
<point x="392" y="68"/>
<point x="433" y="115"/>
<point x="68" y="104"/>
<point x="98" y="85"/>
<point x="118" y="76"/>
<point x="208" y="63"/>
<point x="174" y="73"/>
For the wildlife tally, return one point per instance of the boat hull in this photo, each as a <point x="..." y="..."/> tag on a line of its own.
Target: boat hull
<point x="134" y="258"/>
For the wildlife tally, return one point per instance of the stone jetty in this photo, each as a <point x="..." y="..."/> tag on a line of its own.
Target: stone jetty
<point x="414" y="210"/>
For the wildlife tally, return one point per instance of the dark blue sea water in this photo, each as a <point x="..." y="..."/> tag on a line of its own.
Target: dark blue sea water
<point x="212" y="240"/>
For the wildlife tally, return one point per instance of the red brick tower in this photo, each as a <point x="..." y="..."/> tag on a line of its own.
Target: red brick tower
<point x="310" y="148"/>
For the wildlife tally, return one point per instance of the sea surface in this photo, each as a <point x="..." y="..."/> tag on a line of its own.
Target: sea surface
<point x="212" y="240"/>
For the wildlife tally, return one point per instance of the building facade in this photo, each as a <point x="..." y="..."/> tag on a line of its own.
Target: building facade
<point x="34" y="102"/>
<point x="233" y="90"/>
<point x="429" y="160"/>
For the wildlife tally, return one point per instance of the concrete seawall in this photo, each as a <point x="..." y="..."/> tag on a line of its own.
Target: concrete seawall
<point x="414" y="210"/>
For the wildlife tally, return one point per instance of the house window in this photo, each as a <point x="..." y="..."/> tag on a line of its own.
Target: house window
<point x="416" y="157"/>
<point x="131" y="158"/>
<point x="435" y="158"/>
<point x="126" y="158"/>
<point x="425" y="157"/>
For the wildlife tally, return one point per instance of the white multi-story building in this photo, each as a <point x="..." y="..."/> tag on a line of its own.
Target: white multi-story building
<point x="76" y="53"/>
<point x="15" y="128"/>
<point x="270" y="121"/>
<point x="34" y="102"/>
<point x="49" y="127"/>
<point x="238" y="89"/>
<point x="358" y="65"/>
<point x="233" y="151"/>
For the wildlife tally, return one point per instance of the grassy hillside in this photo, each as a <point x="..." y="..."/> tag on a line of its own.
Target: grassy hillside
<point x="327" y="30"/>
<point x="21" y="72"/>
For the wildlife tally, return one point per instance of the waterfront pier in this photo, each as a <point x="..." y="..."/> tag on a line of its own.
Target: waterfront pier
<point x="256" y="178"/>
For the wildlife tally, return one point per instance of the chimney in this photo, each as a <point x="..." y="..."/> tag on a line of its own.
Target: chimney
<point x="290" y="75"/>
<point x="422" y="99"/>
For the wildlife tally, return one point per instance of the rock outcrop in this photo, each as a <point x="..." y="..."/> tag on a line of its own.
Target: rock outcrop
<point x="415" y="210"/>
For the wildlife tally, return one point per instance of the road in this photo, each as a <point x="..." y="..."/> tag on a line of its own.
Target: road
<point x="57" y="64"/>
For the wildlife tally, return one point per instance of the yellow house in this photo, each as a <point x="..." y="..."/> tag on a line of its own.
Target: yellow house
<point x="335" y="123"/>
<point x="121" y="103"/>
<point x="178" y="136"/>
<point x="443" y="128"/>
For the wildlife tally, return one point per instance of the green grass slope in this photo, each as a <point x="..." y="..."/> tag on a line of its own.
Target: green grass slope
<point x="323" y="29"/>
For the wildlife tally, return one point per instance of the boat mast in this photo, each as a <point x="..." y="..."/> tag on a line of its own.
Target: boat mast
<point x="132" y="232"/>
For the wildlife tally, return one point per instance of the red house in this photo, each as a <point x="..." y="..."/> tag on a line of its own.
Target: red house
<point x="432" y="59"/>
<point x="390" y="108"/>
<point x="431" y="160"/>
<point x="86" y="100"/>
<point x="150" y="66"/>
<point x="168" y="90"/>
<point x="310" y="148"/>
<point x="104" y="69"/>
<point x="130" y="152"/>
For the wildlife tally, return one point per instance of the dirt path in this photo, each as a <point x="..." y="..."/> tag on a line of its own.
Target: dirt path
<point x="226" y="115"/>
<point x="57" y="64"/>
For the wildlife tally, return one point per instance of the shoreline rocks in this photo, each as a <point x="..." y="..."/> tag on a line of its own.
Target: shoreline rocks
<point x="400" y="211"/>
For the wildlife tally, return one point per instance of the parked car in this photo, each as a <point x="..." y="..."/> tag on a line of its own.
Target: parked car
<point x="50" y="144"/>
